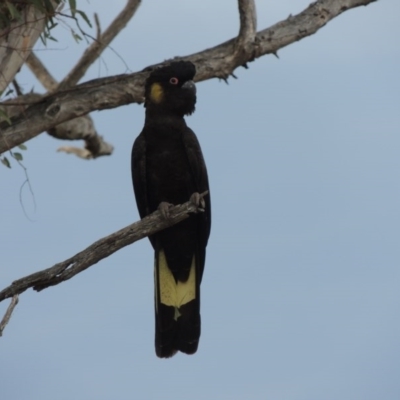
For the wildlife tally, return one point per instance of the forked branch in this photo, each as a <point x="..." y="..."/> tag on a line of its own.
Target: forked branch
<point x="248" y="27"/>
<point x="82" y="128"/>
<point x="119" y="90"/>
<point x="97" y="47"/>
<point x="99" y="250"/>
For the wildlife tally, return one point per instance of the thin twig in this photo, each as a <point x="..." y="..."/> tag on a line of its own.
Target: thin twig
<point x="96" y="48"/>
<point x="99" y="250"/>
<point x="26" y="182"/>
<point x="82" y="128"/>
<point x="17" y="88"/>
<point x="115" y="91"/>
<point x="7" y="315"/>
<point x="98" y="26"/>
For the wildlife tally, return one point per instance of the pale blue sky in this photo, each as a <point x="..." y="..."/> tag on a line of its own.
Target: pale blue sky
<point x="300" y="297"/>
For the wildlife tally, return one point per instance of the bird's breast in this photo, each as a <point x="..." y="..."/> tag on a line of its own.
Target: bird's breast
<point x="169" y="176"/>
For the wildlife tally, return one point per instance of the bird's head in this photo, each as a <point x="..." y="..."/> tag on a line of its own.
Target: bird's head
<point x="172" y="89"/>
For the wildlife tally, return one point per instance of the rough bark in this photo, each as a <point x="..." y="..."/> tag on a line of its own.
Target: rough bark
<point x="17" y="41"/>
<point x="97" y="47"/>
<point x="217" y="62"/>
<point x="8" y="314"/>
<point x="101" y="249"/>
<point x="60" y="107"/>
<point x="81" y="128"/>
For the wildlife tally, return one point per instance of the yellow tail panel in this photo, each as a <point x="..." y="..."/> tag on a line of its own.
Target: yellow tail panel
<point x="174" y="293"/>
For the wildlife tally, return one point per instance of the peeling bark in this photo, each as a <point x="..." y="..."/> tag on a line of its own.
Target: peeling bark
<point x="17" y="41"/>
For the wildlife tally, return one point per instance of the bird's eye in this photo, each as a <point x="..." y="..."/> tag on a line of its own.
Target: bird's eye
<point x="174" y="81"/>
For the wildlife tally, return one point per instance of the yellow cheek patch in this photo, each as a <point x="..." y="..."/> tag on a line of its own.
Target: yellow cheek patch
<point x="156" y="93"/>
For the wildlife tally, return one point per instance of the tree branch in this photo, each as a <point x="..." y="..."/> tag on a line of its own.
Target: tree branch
<point x="101" y="249"/>
<point x="16" y="42"/>
<point x="81" y="128"/>
<point x="41" y="72"/>
<point x="97" y="47"/>
<point x="248" y="26"/>
<point x="216" y="62"/>
<point x="8" y="314"/>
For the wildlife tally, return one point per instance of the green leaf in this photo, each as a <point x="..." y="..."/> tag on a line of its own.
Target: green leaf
<point x="22" y="147"/>
<point x="6" y="162"/>
<point x="76" y="36"/>
<point x="4" y="21"/>
<point x="49" y="22"/>
<point x="17" y="156"/>
<point x="52" y="25"/>
<point x="3" y="115"/>
<point x="84" y="16"/>
<point x="13" y="11"/>
<point x="49" y="7"/>
<point x="72" y="6"/>
<point x="43" y="39"/>
<point x="38" y="4"/>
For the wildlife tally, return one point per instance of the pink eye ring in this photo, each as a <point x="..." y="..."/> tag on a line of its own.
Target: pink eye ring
<point x="174" y="81"/>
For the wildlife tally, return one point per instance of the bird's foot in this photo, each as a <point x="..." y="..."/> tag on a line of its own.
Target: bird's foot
<point x="164" y="207"/>
<point x="198" y="201"/>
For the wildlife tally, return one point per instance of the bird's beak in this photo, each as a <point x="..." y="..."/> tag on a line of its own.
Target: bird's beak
<point x="189" y="85"/>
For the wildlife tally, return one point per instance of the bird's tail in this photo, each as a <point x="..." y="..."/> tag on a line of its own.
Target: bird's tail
<point x="177" y="309"/>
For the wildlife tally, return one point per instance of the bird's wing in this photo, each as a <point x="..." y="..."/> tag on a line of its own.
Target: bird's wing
<point x="199" y="173"/>
<point x="139" y="175"/>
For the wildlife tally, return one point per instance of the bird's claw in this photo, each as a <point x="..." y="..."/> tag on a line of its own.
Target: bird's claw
<point x="164" y="207"/>
<point x="198" y="201"/>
